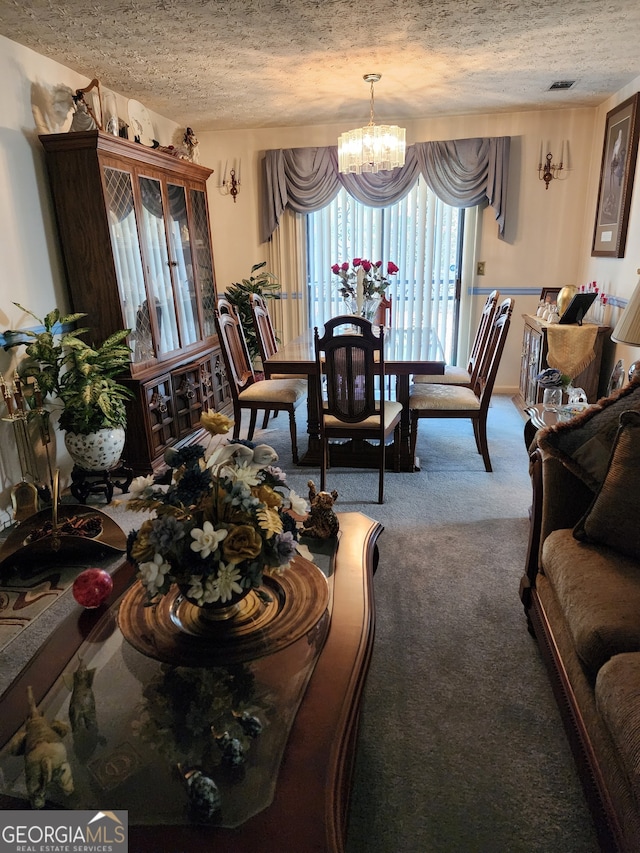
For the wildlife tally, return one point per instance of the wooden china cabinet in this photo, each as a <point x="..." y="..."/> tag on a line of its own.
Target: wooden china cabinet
<point x="134" y="229"/>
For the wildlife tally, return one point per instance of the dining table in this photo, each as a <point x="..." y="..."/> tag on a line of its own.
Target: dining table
<point x="406" y="351"/>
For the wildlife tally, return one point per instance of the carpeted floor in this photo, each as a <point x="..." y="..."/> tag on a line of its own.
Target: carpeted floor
<point x="461" y="747"/>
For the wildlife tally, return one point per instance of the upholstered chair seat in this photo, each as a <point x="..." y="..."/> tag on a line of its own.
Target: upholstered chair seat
<point x="427" y="396"/>
<point x="276" y="391"/>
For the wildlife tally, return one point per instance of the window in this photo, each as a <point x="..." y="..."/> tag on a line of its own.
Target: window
<point x="421" y="234"/>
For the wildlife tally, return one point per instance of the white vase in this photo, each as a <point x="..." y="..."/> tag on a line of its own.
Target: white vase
<point x="97" y="451"/>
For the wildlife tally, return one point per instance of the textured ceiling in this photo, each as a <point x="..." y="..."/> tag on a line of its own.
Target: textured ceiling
<point x="223" y="64"/>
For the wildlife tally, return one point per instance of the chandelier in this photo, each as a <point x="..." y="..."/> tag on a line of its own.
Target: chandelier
<point x="374" y="148"/>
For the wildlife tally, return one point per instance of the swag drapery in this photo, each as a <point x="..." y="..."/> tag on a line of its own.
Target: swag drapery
<point x="461" y="172"/>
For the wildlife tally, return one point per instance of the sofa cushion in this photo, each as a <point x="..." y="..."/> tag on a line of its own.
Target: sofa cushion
<point x="584" y="443"/>
<point x="613" y="518"/>
<point x="598" y="590"/>
<point x="617" y="695"/>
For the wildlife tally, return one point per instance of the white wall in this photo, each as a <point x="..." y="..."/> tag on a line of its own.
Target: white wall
<point x="548" y="239"/>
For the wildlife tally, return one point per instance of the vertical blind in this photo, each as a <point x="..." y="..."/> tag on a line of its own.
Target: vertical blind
<point x="420" y="234"/>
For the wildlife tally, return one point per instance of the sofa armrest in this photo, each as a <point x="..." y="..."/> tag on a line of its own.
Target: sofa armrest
<point x="565" y="498"/>
<point x="559" y="500"/>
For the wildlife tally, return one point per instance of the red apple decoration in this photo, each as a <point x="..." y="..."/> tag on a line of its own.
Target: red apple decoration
<point x="92" y="587"/>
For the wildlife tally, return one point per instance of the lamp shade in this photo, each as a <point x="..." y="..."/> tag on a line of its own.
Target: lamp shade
<point x="627" y="330"/>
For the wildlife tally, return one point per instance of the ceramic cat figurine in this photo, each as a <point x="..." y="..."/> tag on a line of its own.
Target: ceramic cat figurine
<point x="82" y="707"/>
<point x="82" y="710"/>
<point x="45" y="755"/>
<point x="322" y="522"/>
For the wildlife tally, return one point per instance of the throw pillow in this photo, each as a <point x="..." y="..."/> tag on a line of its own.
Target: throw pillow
<point x="613" y="519"/>
<point x="584" y="443"/>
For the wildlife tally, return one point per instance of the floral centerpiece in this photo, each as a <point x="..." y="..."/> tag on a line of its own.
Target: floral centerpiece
<point x="551" y="377"/>
<point x="222" y="521"/>
<point x="553" y="382"/>
<point x="374" y="280"/>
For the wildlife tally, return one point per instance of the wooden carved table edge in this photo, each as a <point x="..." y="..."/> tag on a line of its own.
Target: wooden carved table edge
<point x="310" y="807"/>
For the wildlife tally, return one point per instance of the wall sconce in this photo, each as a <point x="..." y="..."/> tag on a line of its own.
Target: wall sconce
<point x="231" y="185"/>
<point x="548" y="170"/>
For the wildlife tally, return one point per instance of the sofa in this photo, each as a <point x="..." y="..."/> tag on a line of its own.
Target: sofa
<point x="581" y="594"/>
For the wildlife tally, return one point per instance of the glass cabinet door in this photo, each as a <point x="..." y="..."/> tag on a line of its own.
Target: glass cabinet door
<point x="159" y="273"/>
<point x="182" y="265"/>
<point x="128" y="263"/>
<point x="203" y="261"/>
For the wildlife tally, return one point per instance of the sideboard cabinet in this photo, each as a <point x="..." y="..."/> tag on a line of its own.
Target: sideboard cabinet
<point x="134" y="229"/>
<point x="534" y="359"/>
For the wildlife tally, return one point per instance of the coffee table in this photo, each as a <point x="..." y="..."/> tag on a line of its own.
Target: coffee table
<point x="310" y="800"/>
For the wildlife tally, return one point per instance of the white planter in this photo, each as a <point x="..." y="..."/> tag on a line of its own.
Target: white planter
<point x="97" y="451"/>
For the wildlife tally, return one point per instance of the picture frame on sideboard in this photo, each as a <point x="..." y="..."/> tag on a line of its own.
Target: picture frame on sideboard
<point x="549" y="295"/>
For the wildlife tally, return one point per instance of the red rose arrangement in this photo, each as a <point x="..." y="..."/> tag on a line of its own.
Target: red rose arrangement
<point x="374" y="281"/>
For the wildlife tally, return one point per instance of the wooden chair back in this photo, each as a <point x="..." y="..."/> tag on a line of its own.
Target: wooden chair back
<point x="265" y="334"/>
<point x="351" y="359"/>
<point x="492" y="355"/>
<point x="482" y="332"/>
<point x="234" y="347"/>
<point x="383" y="314"/>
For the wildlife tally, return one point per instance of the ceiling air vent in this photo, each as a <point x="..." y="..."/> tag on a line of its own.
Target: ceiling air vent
<point x="561" y="84"/>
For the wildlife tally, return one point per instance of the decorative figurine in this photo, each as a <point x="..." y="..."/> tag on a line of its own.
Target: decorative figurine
<point x="92" y="587"/>
<point x="231" y="749"/>
<point x="205" y="802"/>
<point x="322" y="522"/>
<point x="190" y="143"/>
<point x="250" y="725"/>
<point x="82" y="711"/>
<point x="82" y="707"/>
<point x="84" y="117"/>
<point x="45" y="756"/>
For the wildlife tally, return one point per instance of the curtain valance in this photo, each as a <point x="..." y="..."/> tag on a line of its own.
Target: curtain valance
<point x="461" y="172"/>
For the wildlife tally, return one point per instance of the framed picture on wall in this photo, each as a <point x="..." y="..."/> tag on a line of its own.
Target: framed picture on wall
<point x="616" y="179"/>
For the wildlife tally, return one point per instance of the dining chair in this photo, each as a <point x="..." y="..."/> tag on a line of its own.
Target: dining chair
<point x="430" y="400"/>
<point x="267" y="342"/>
<point x="383" y="314"/>
<point x="278" y="395"/>
<point x="454" y="375"/>
<point x="351" y="400"/>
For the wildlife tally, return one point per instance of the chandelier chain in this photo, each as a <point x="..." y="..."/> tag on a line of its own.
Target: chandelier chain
<point x="371" y="121"/>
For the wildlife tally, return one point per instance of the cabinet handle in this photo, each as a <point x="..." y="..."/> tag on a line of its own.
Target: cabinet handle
<point x="159" y="402"/>
<point x="172" y="263"/>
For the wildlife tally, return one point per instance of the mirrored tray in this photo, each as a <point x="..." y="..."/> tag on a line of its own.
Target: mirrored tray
<point x="38" y="538"/>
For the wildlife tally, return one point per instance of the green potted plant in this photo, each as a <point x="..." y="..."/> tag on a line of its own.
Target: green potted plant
<point x="265" y="284"/>
<point x="83" y="379"/>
